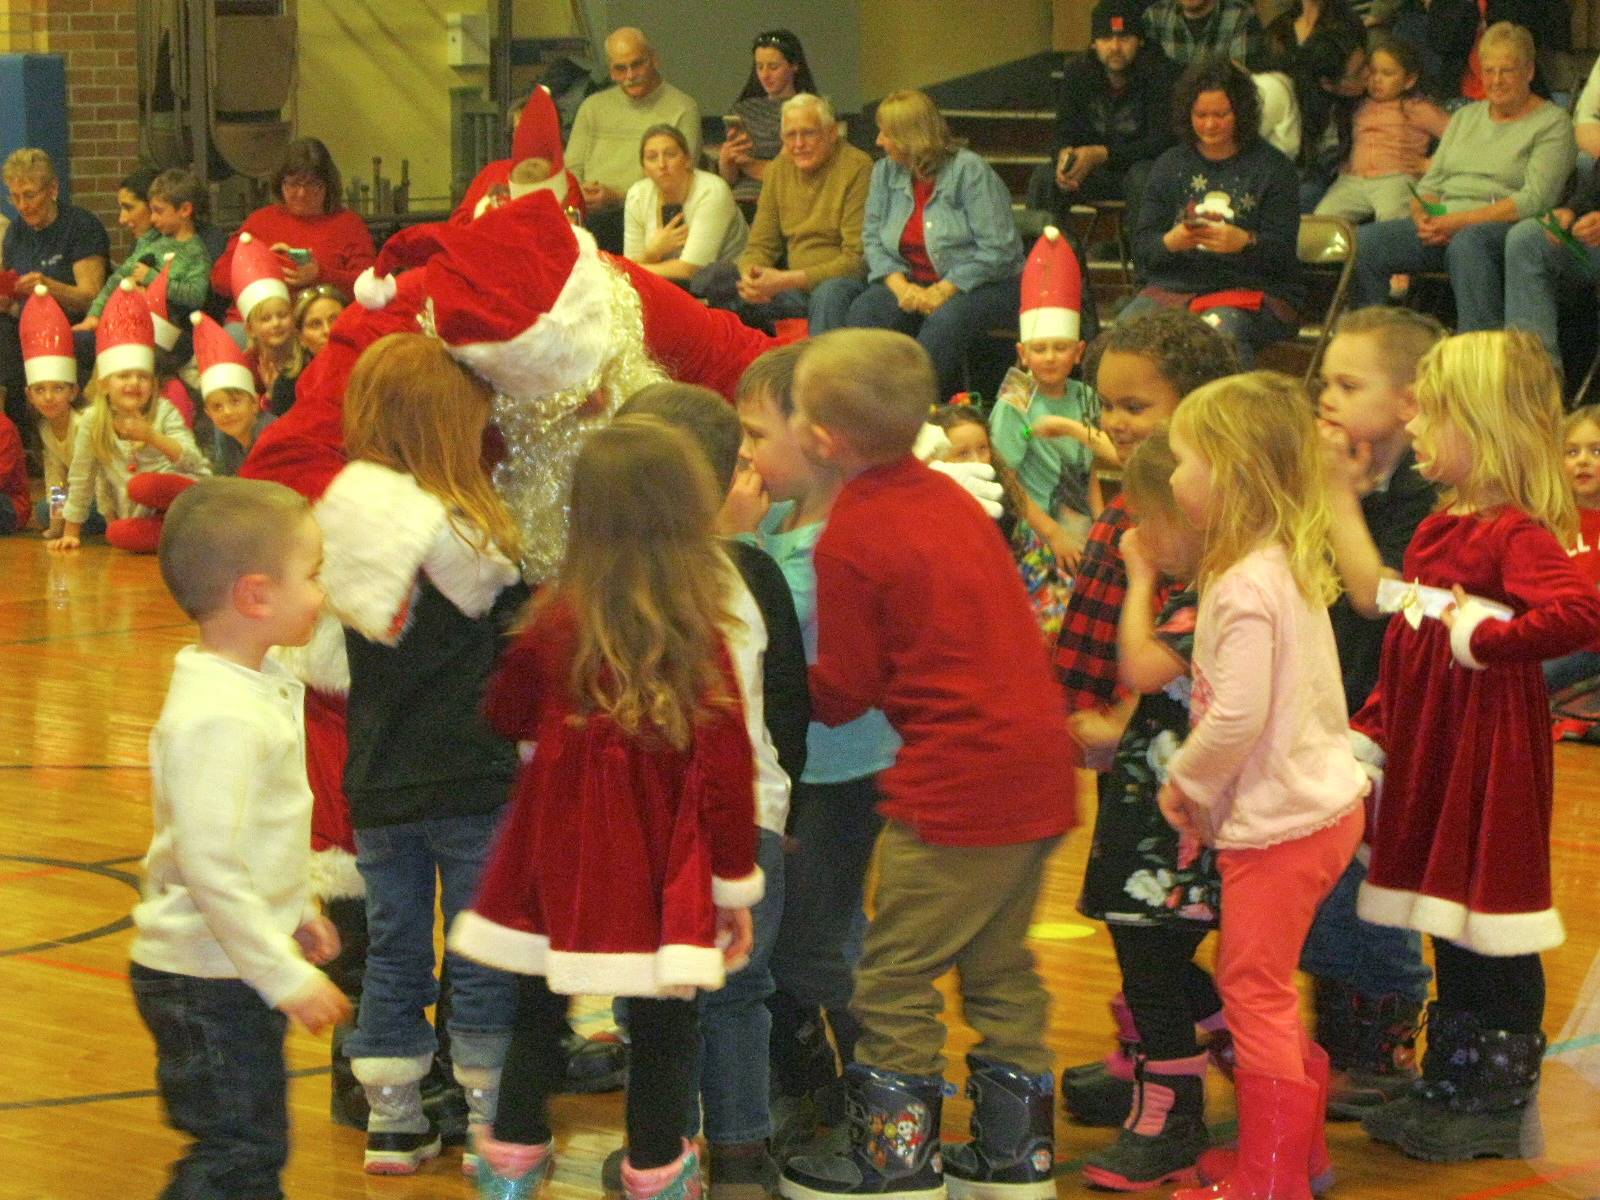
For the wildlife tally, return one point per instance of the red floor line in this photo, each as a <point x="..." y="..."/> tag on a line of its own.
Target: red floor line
<point x="97" y="972"/>
<point x="33" y="874"/>
<point x="1533" y="1181"/>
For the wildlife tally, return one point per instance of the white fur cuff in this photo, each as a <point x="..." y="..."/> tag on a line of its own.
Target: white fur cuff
<point x="1468" y="617"/>
<point x="739" y="893"/>
<point x="469" y="578"/>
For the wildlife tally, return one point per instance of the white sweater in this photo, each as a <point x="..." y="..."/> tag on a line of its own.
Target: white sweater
<point x="93" y="480"/>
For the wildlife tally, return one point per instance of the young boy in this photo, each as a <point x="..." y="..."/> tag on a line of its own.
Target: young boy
<point x="227" y="933"/>
<point x="177" y="201"/>
<point x="228" y="393"/>
<point x="920" y="613"/>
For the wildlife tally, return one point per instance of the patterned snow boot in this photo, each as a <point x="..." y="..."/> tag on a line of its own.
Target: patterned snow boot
<point x="510" y="1170"/>
<point x="1101" y="1092"/>
<point x="894" y="1143"/>
<point x="1012" y="1152"/>
<point x="1372" y="1043"/>
<point x="678" y="1180"/>
<point x="1486" y="1106"/>
<point x="400" y="1136"/>
<point x="1165" y="1132"/>
<point x="480" y="1090"/>
<point x="1451" y="1033"/>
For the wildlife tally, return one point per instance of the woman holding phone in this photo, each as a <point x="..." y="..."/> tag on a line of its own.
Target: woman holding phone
<point x="676" y="220"/>
<point x="778" y="71"/>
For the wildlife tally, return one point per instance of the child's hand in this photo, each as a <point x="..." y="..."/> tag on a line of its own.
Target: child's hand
<point x="132" y="427"/>
<point x="1141" y="570"/>
<point x="87" y="325"/>
<point x="318" y="940"/>
<point x="1178" y="810"/>
<point x="1448" y="617"/>
<point x="1068" y="551"/>
<point x="1347" y="464"/>
<point x="67" y="541"/>
<point x="746" y="504"/>
<point x="1060" y="427"/>
<point x="317" y="1005"/>
<point x="735" y="934"/>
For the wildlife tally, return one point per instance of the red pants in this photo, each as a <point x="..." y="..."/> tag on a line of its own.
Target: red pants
<point x="152" y="489"/>
<point x="1269" y="898"/>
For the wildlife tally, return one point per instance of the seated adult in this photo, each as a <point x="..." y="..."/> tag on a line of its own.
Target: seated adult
<point x="1586" y="114"/>
<point x="779" y="71"/>
<point x="1113" y="117"/>
<point x="1321" y="46"/>
<point x="1221" y="217"/>
<point x="603" y="150"/>
<point x="61" y="246"/>
<point x="1188" y="31"/>
<point x="536" y="161"/>
<point x="943" y="257"/>
<point x="1541" y="268"/>
<point x="318" y="238"/>
<point x="677" y="220"/>
<point x="1501" y="159"/>
<point x="813" y="198"/>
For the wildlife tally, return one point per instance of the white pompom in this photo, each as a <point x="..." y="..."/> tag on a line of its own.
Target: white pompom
<point x="1051" y="233"/>
<point x="374" y="291"/>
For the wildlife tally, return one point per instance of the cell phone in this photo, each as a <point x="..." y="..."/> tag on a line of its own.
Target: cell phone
<point x="669" y="211"/>
<point x="298" y="256"/>
<point x="733" y="123"/>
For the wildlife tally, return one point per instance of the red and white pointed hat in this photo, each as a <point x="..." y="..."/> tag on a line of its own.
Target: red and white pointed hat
<point x="1052" y="289"/>
<point x="222" y="363"/>
<point x="46" y="338"/>
<point x="160" y="316"/>
<point x="125" y="339"/>
<point x="257" y="275"/>
<point x="539" y="131"/>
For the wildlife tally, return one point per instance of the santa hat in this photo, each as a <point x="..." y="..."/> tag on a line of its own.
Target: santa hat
<point x="222" y="363"/>
<point x="257" y="275"/>
<point x="523" y="298"/>
<point x="156" y="297"/>
<point x="1052" y="289"/>
<point x="539" y="131"/>
<point x="46" y="340"/>
<point x="125" y="339"/>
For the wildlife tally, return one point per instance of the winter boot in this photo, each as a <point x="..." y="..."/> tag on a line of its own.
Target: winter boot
<point x="1487" y="1109"/>
<point x="1451" y="1036"/>
<point x="510" y="1170"/>
<point x="805" y="1077"/>
<point x="1277" y="1120"/>
<point x="678" y="1180"/>
<point x="480" y="1090"/>
<point x="595" y="1064"/>
<point x="347" y="1103"/>
<point x="894" y="1143"/>
<point x="1012" y="1152"/>
<point x="1165" y="1131"/>
<point x="741" y="1172"/>
<point x="1101" y="1093"/>
<point x="1216" y="1165"/>
<point x="1372" y="1043"/>
<point x="400" y="1136"/>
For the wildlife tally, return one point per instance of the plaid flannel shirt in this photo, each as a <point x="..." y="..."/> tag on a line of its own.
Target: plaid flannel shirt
<point x="1086" y="648"/>
<point x="1233" y="31"/>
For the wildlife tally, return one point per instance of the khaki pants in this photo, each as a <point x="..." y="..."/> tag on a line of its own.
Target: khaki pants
<point x="941" y="906"/>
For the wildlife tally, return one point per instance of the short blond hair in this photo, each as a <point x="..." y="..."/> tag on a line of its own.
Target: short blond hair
<point x="1403" y="336"/>
<point x="873" y="386"/>
<point x="223" y="528"/>
<point x="913" y="120"/>
<point x="28" y="163"/>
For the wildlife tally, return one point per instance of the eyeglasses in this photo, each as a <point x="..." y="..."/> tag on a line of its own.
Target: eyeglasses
<point x="302" y="183"/>
<point x="800" y="135"/>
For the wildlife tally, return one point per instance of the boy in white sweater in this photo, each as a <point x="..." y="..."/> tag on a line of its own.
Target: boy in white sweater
<point x="227" y="931"/>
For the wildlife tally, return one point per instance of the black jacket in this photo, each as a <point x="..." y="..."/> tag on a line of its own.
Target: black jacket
<point x="787" y="693"/>
<point x="1135" y="125"/>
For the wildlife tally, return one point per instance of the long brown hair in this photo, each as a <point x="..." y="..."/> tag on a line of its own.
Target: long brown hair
<point x="411" y="407"/>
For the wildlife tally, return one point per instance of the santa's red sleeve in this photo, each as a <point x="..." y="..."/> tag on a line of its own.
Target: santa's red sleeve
<point x="724" y="770"/>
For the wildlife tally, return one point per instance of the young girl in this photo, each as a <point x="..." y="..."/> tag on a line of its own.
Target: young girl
<point x="1393" y="129"/>
<point x="1158" y="898"/>
<point x="133" y="453"/>
<point x="1581" y="461"/>
<point x="628" y="863"/>
<point x="315" y="311"/>
<point x="1266" y="776"/>
<point x="421" y="567"/>
<point x="51" y="373"/>
<point x="263" y="300"/>
<point x="1461" y="840"/>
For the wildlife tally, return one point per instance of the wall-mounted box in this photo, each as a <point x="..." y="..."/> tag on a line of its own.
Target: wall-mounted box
<point x="466" y="39"/>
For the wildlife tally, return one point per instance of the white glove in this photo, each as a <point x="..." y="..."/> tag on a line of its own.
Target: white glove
<point x="932" y="443"/>
<point x="979" y="479"/>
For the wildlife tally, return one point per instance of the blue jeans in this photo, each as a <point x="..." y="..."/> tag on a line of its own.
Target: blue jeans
<point x="1376" y="960"/>
<point x="1537" y="270"/>
<point x="220" y="1070"/>
<point x="400" y="864"/>
<point x="718" y="284"/>
<point x="1475" y="259"/>
<point x="1250" y="331"/>
<point x="1569" y="669"/>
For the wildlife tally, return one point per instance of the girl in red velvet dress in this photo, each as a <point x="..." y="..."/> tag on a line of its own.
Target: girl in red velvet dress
<point x="1460" y="838"/>
<point x="627" y="865"/>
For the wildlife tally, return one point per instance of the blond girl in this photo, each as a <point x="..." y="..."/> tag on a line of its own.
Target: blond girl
<point x="1461" y="841"/>
<point x="1266" y="777"/>
<point x="627" y="866"/>
<point x="315" y="311"/>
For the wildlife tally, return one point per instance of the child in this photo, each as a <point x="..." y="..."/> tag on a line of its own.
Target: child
<point x="1581" y="461"/>
<point x="1158" y="898"/>
<point x="226" y="929"/>
<point x="227" y="390"/>
<point x="177" y="199"/>
<point x="315" y="311"/>
<point x="977" y="799"/>
<point x="1461" y="840"/>
<point x="51" y="372"/>
<point x="1266" y="776"/>
<point x="263" y="301"/>
<point x="133" y="453"/>
<point x="636" y="806"/>
<point x="422" y="571"/>
<point x="1392" y="131"/>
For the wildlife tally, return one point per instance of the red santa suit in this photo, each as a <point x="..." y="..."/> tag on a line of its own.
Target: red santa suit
<point x="1460" y="841"/>
<point x="538" y="135"/>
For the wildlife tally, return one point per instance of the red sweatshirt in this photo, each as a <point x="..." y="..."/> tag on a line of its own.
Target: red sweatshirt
<point x="340" y="242"/>
<point x="921" y="612"/>
<point x="14" y="473"/>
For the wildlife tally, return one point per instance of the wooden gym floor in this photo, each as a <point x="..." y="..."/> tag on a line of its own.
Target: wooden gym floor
<point x="86" y="642"/>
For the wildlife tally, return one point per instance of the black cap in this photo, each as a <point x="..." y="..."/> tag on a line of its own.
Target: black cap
<point x="1114" y="17"/>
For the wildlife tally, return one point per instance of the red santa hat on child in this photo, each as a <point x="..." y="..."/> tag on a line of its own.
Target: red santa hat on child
<point x="125" y="339"/>
<point x="160" y="316"/>
<point x="257" y="275"/>
<point x="222" y="363"/>
<point x="1052" y="289"/>
<point x="46" y="339"/>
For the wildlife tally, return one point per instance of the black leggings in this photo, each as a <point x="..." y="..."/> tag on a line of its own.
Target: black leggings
<point x="662" y="1071"/>
<point x="1503" y="993"/>
<point x="1167" y="991"/>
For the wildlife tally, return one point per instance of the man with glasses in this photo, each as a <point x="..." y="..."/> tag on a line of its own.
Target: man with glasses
<point x="603" y="151"/>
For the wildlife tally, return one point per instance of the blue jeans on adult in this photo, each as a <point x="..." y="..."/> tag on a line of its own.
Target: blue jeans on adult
<point x="1569" y="669"/>
<point x="1249" y="330"/>
<point x="1537" y="269"/>
<point x="718" y="284"/>
<point x="1475" y="259"/>
<point x="220" y="1070"/>
<point x="400" y="865"/>
<point x="1375" y="960"/>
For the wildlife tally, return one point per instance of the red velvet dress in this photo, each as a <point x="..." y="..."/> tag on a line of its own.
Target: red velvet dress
<point x="606" y="873"/>
<point x="1461" y="837"/>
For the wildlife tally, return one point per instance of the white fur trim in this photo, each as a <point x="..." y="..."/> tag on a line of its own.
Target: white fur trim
<point x="129" y="356"/>
<point x="469" y="578"/>
<point x="374" y="291"/>
<point x="50" y="368"/>
<point x="227" y="375"/>
<point x="1498" y="935"/>
<point x="321" y="663"/>
<point x="262" y="289"/>
<point x="565" y="346"/>
<point x="377" y="527"/>
<point x="1468" y="617"/>
<point x="1036" y="323"/>
<point x="739" y="893"/>
<point x="334" y="875"/>
<point x="1366" y="750"/>
<point x="390" y="1072"/>
<point x="557" y="183"/>
<point x="166" y="332"/>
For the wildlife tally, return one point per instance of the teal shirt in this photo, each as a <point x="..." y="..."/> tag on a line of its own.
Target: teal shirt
<point x="866" y="745"/>
<point x="189" y="281"/>
<point x="1042" y="463"/>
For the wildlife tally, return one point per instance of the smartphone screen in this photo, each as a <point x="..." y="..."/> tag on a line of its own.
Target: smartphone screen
<point x="669" y="211"/>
